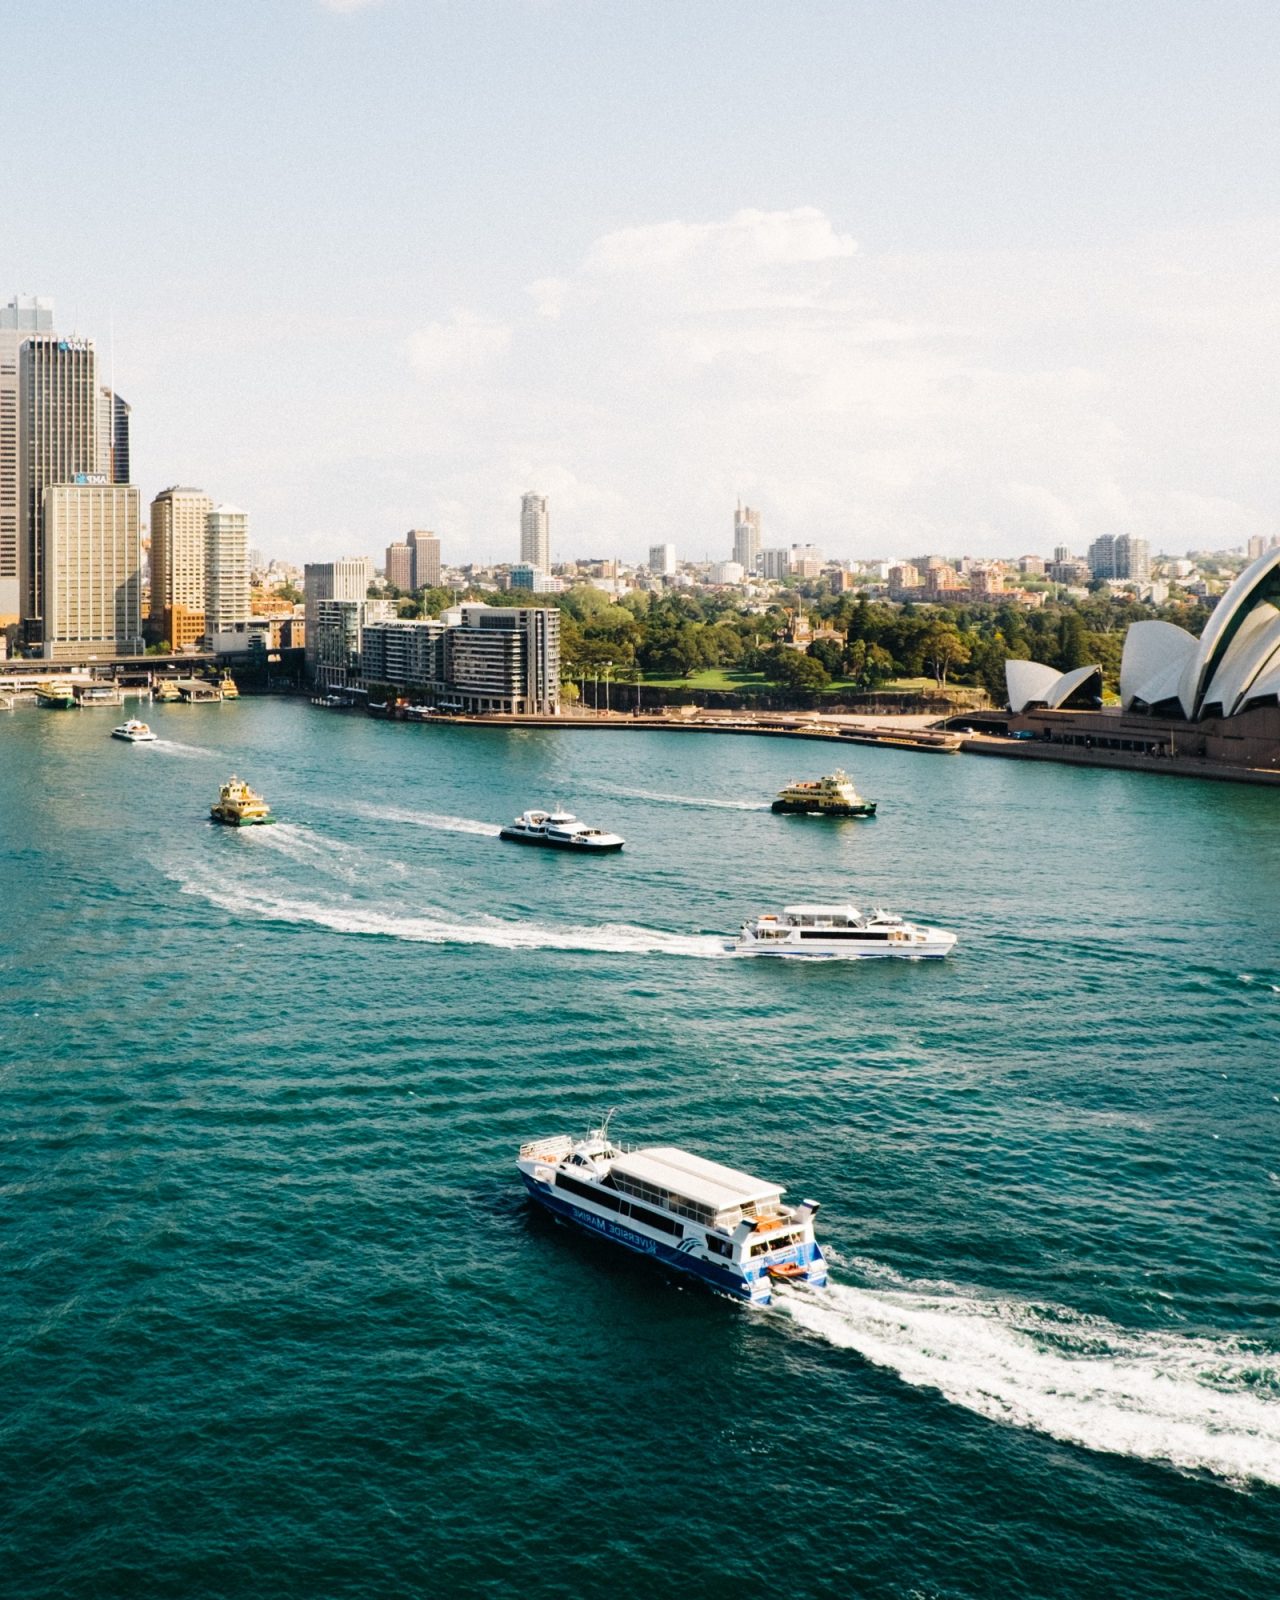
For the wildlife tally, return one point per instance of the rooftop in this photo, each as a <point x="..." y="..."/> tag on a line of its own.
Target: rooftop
<point x="695" y="1178"/>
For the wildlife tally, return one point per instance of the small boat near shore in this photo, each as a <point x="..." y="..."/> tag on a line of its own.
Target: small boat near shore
<point x="832" y="796"/>
<point x="841" y="933"/>
<point x="239" y="807"/>
<point x="134" y="732"/>
<point x="559" y="830"/>
<point x="726" y="1228"/>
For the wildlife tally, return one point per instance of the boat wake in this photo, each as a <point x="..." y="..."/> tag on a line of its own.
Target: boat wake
<point x="177" y="748"/>
<point x="430" y="819"/>
<point x="308" y="849"/>
<point x="1199" y="1404"/>
<point x="437" y="927"/>
<point x="699" y="802"/>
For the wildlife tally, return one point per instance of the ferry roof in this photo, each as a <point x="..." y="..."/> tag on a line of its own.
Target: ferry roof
<point x="694" y="1178"/>
<point x="845" y="910"/>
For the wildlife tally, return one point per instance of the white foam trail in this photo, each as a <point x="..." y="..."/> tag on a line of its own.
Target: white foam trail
<point x="430" y="819"/>
<point x="177" y="748"/>
<point x="1199" y="1404"/>
<point x="308" y="849"/>
<point x="436" y="928"/>
<point x="692" y="800"/>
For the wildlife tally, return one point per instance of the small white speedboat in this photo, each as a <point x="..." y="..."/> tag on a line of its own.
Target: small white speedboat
<point x="559" y="830"/>
<point x="134" y="732"/>
<point x="842" y="932"/>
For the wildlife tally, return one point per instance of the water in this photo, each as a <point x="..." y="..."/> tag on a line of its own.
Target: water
<point x="277" y="1321"/>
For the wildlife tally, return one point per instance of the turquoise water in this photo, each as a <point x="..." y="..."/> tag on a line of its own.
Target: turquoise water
<point x="277" y="1321"/>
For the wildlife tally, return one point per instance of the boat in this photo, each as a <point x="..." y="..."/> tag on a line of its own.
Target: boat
<point x="729" y="1230"/>
<point x="228" y="686"/>
<point x="134" y="731"/>
<point x="842" y="932"/>
<point x="56" y="696"/>
<point x="832" y="796"/>
<point x="559" y="830"/>
<point x="239" y="807"/>
<point x="166" y="689"/>
<point x="943" y="744"/>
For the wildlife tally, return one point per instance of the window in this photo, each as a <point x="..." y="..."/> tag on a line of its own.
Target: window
<point x="719" y="1247"/>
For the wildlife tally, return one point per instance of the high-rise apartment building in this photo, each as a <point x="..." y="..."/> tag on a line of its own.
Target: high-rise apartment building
<point x="774" y="564"/>
<point x="331" y="580"/>
<point x="91" y="572"/>
<point x="226" y="565"/>
<point x="504" y="658"/>
<point x="426" y="559"/>
<point x="1122" y="557"/>
<point x="178" y="517"/>
<point x="19" y="320"/>
<point x="535" y="532"/>
<point x="57" y="444"/>
<point x="399" y="567"/>
<point x="662" y="560"/>
<point x="746" y="538"/>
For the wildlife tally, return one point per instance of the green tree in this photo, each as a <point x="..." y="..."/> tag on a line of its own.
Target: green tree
<point x="943" y="650"/>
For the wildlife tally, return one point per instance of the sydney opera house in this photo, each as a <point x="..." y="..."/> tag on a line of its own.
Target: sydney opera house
<point x="1212" y="701"/>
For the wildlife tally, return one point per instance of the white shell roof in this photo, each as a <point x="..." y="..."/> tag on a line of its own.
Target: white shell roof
<point x="1230" y="663"/>
<point x="706" y="1183"/>
<point x="1032" y="683"/>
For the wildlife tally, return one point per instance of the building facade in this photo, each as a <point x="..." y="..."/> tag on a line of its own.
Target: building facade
<point x="19" y="320"/>
<point x="178" y="517"/>
<point x="426" y="559"/>
<point x="775" y="564"/>
<point x="113" y="436"/>
<point x="746" y="538"/>
<point x="226" y="558"/>
<point x="504" y="658"/>
<point x="57" y="444"/>
<point x="662" y="560"/>
<point x="91" y="574"/>
<point x="337" y="638"/>
<point x="331" y="580"/>
<point x="1122" y="558"/>
<point x="399" y="565"/>
<point x="404" y="654"/>
<point x="535" y="532"/>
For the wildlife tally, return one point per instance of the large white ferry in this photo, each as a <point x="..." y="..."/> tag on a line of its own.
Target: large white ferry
<point x="134" y="732"/>
<point x="725" y="1227"/>
<point x="840" y="931"/>
<point x="559" y="830"/>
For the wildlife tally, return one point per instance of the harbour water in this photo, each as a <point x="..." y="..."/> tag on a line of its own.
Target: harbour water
<point x="276" y="1320"/>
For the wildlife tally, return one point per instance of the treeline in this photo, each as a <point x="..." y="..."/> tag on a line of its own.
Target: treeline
<point x="866" y="643"/>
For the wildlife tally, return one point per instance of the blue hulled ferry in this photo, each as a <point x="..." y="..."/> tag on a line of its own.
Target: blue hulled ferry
<point x="723" y="1226"/>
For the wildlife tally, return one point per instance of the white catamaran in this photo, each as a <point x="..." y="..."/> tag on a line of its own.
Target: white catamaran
<point x="842" y="932"/>
<point x="725" y="1227"/>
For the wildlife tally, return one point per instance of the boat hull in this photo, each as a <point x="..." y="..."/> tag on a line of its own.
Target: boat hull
<point x="135" y="738"/>
<point x="927" y="950"/>
<point x="583" y="848"/>
<point x="801" y="808"/>
<point x="232" y="821"/>
<point x="756" y="1290"/>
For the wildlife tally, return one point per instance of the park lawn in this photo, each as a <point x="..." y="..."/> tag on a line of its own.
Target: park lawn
<point x="727" y="681"/>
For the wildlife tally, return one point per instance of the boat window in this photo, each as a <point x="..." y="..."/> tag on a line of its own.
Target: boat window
<point x="719" y="1247"/>
<point x="764" y="1247"/>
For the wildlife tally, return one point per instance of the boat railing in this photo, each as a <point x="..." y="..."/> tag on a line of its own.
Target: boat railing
<point x="556" y="1148"/>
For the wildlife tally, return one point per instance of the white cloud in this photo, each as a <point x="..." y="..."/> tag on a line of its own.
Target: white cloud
<point x="748" y="239"/>
<point x="460" y="347"/>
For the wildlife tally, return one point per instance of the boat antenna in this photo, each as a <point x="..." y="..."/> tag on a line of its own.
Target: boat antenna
<point x="608" y="1118"/>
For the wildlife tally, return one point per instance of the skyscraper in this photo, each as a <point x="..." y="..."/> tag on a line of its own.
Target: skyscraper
<point x="178" y="517"/>
<point x="746" y="537"/>
<point x="226" y="563"/>
<point x="662" y="560"/>
<point x="91" y="571"/>
<point x="426" y="558"/>
<point x="21" y="318"/>
<point x="399" y="568"/>
<point x="57" y="443"/>
<point x="535" y="532"/>
<point x="113" y="436"/>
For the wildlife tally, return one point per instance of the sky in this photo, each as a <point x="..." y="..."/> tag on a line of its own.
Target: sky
<point x="955" y="276"/>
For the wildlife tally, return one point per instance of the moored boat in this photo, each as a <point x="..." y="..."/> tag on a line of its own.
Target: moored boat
<point x="134" y="732"/>
<point x="723" y="1227"/>
<point x="239" y="807"/>
<point x="832" y="796"/>
<point x="559" y="830"/>
<point x="227" y="684"/>
<point x="166" y="689"/>
<point x="840" y="932"/>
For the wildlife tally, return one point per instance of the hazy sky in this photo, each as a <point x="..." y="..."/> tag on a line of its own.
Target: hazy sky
<point x="908" y="276"/>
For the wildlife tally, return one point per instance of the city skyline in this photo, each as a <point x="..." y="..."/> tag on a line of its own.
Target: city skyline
<point x="794" y="308"/>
